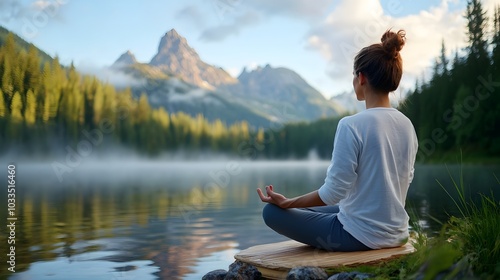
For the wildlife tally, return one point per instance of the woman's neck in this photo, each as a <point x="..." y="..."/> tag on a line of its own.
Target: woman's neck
<point x="375" y="99"/>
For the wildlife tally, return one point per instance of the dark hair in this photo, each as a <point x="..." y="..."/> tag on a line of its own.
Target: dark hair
<point x="381" y="63"/>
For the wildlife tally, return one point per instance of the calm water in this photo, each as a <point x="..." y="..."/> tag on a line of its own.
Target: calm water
<point x="150" y="220"/>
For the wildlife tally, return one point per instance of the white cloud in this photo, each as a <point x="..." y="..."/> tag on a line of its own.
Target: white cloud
<point x="316" y="42"/>
<point x="10" y="9"/>
<point x="220" y="32"/>
<point x="109" y="75"/>
<point x="40" y="4"/>
<point x="192" y="14"/>
<point x="236" y="15"/>
<point x="351" y="27"/>
<point x="295" y="8"/>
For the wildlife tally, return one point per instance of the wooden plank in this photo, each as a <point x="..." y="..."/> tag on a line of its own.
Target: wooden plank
<point x="276" y="259"/>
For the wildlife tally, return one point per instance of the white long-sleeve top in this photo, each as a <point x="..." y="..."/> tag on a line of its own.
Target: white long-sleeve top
<point x="371" y="169"/>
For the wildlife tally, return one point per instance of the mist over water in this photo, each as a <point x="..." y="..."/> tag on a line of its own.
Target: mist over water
<point x="130" y="217"/>
<point x="126" y="169"/>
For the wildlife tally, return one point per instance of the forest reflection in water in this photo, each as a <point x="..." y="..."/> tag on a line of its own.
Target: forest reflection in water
<point x="176" y="220"/>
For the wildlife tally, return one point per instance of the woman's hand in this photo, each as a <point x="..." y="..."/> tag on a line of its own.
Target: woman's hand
<point x="307" y="200"/>
<point x="274" y="197"/>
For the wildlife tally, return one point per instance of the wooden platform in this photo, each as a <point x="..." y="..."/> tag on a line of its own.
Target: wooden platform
<point x="276" y="259"/>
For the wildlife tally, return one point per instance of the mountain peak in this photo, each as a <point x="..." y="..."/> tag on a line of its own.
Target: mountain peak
<point x="172" y="44"/>
<point x="176" y="57"/>
<point x="172" y="33"/>
<point x="125" y="59"/>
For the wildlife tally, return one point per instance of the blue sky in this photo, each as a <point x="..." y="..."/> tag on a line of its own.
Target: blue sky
<point x="316" y="38"/>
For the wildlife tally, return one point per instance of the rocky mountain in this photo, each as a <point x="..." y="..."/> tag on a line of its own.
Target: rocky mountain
<point x="350" y="104"/>
<point x="282" y="93"/>
<point x="126" y="59"/>
<point x="348" y="101"/>
<point x="176" y="95"/>
<point x="176" y="78"/>
<point x="176" y="57"/>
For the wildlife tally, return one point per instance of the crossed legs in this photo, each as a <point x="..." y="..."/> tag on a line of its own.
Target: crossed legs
<point x="315" y="226"/>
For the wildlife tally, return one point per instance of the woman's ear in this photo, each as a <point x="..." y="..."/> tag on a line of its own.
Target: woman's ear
<point x="362" y="78"/>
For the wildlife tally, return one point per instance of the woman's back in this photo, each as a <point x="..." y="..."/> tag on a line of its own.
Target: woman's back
<point x="383" y="144"/>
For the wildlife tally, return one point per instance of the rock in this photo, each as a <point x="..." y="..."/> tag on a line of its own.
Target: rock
<point x="242" y="271"/>
<point x="306" y="273"/>
<point x="218" y="274"/>
<point x="354" y="275"/>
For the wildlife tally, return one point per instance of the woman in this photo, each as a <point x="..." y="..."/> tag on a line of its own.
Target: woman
<point x="370" y="172"/>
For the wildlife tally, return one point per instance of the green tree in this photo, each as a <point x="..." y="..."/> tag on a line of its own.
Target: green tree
<point x="7" y="84"/>
<point x="496" y="41"/>
<point x="476" y="29"/>
<point x="443" y="61"/>
<point x="16" y="107"/>
<point x="3" y="107"/>
<point x="98" y="103"/>
<point x="32" y="74"/>
<point x="30" y="111"/>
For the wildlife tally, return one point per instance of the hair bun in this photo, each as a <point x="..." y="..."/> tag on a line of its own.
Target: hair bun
<point x="392" y="42"/>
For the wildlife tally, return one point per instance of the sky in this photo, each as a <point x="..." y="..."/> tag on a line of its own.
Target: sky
<point x="318" y="39"/>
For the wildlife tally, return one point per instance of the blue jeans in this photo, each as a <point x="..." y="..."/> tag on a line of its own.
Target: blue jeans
<point x="315" y="226"/>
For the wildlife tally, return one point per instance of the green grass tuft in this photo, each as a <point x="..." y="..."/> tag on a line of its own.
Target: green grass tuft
<point x="477" y="231"/>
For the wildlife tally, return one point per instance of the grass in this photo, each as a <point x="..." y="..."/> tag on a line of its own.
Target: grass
<point x="468" y="247"/>
<point x="478" y="232"/>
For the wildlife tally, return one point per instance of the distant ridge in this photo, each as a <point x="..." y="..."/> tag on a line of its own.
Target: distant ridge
<point x="283" y="93"/>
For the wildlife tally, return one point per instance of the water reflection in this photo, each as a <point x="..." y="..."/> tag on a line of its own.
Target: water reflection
<point x="429" y="195"/>
<point x="173" y="220"/>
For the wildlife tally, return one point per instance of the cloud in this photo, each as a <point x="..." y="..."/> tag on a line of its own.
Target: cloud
<point x="193" y="15"/>
<point x="235" y="15"/>
<point x="11" y="10"/>
<point x="350" y="27"/>
<point x="294" y="8"/>
<point x="109" y="75"/>
<point x="32" y="17"/>
<point x="41" y="4"/>
<point x="220" y="32"/>
<point x="16" y="10"/>
<point x="489" y="6"/>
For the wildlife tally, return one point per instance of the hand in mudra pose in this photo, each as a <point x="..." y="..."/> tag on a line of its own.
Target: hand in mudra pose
<point x="273" y="197"/>
<point x="307" y="200"/>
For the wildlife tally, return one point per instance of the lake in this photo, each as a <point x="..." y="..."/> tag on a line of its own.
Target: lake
<point x="142" y="219"/>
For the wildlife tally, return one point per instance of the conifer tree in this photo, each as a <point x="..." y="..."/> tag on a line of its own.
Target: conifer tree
<point x="476" y="33"/>
<point x="3" y="107"/>
<point x="32" y="73"/>
<point x="496" y="40"/>
<point x="30" y="111"/>
<point x="7" y="84"/>
<point x="98" y="103"/>
<point x="443" y="61"/>
<point x="16" y="107"/>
